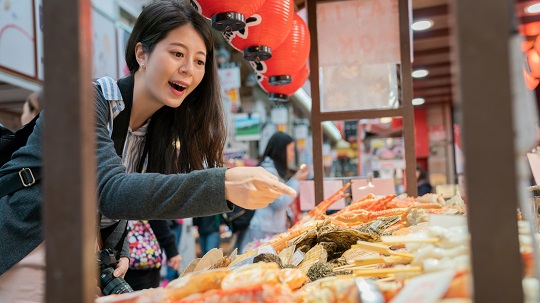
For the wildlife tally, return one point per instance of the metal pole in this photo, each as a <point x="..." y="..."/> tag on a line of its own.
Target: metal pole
<point x="485" y="111"/>
<point x="69" y="153"/>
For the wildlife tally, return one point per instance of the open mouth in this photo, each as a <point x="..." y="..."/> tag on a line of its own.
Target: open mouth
<point x="177" y="86"/>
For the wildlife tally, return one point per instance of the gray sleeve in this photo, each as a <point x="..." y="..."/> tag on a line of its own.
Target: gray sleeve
<point x="152" y="196"/>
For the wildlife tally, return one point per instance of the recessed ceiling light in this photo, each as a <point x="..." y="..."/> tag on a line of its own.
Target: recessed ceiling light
<point x="421" y="25"/>
<point x="533" y="8"/>
<point x="418" y="101"/>
<point x="420" y="73"/>
<point x="385" y="120"/>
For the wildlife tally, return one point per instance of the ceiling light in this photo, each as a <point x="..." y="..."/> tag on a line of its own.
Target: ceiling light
<point x="533" y="8"/>
<point x="422" y="25"/>
<point x="418" y="101"/>
<point x="385" y="120"/>
<point x="420" y="73"/>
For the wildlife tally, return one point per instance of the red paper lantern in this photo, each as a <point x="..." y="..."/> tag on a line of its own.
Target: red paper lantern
<point x="265" y="30"/>
<point x="227" y="15"/>
<point x="289" y="57"/>
<point x="282" y="92"/>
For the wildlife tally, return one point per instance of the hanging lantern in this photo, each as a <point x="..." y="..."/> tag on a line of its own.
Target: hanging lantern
<point x="227" y="15"/>
<point x="265" y="30"/>
<point x="289" y="57"/>
<point x="281" y="93"/>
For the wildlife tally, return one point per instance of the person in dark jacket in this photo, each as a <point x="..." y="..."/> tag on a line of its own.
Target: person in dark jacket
<point x="174" y="89"/>
<point x="423" y="183"/>
<point x="209" y="229"/>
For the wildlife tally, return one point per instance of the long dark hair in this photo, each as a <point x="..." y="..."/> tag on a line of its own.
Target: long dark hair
<point x="198" y="124"/>
<point x="276" y="149"/>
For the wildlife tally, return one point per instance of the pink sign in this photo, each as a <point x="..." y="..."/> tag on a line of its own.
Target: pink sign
<point x="381" y="187"/>
<point x="307" y="194"/>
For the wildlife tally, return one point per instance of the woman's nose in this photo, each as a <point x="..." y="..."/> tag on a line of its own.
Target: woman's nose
<point x="186" y="67"/>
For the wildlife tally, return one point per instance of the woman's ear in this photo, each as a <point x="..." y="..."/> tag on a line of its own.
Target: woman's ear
<point x="140" y="55"/>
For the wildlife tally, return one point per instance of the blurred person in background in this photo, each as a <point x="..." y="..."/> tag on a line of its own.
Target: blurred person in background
<point x="423" y="182"/>
<point x="272" y="220"/>
<point x="30" y="108"/>
<point x="210" y="229"/>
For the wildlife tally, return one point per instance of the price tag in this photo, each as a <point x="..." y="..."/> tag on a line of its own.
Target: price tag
<point x="297" y="257"/>
<point x="266" y="249"/>
<point x="426" y="288"/>
<point x="243" y="262"/>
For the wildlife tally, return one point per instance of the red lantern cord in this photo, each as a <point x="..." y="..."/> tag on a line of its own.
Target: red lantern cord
<point x="289" y="57"/>
<point x="265" y="30"/>
<point x="227" y="15"/>
<point x="281" y="93"/>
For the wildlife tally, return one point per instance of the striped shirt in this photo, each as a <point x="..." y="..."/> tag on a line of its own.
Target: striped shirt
<point x="134" y="144"/>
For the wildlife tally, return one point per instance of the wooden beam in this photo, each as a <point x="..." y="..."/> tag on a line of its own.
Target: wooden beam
<point x="361" y="114"/>
<point x="433" y="82"/>
<point x="445" y="90"/>
<point x="433" y="51"/>
<point x="483" y="33"/>
<point x="69" y="182"/>
<point x="427" y="34"/>
<point x="426" y="12"/>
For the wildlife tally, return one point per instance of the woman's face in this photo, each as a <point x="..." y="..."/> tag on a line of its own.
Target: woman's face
<point x="175" y="67"/>
<point x="30" y="108"/>
<point x="290" y="152"/>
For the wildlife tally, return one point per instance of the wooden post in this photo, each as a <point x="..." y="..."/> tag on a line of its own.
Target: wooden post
<point x="69" y="182"/>
<point x="484" y="110"/>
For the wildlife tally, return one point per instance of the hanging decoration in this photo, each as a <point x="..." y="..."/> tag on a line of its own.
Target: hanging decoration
<point x="227" y="15"/>
<point x="289" y="57"/>
<point x="265" y="30"/>
<point x="281" y="93"/>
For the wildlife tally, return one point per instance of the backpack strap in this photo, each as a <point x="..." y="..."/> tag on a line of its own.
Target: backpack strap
<point x="10" y="143"/>
<point x="111" y="92"/>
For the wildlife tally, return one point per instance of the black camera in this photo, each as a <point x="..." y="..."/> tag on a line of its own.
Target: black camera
<point x="110" y="284"/>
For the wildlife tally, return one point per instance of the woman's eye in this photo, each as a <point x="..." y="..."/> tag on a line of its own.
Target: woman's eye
<point x="178" y="54"/>
<point x="200" y="62"/>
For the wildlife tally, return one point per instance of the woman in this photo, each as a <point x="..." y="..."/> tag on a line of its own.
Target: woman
<point x="30" y="108"/>
<point x="423" y="183"/>
<point x="174" y="90"/>
<point x="272" y="220"/>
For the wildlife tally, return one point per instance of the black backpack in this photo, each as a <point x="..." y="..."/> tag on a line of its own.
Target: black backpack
<point x="239" y="218"/>
<point x="11" y="141"/>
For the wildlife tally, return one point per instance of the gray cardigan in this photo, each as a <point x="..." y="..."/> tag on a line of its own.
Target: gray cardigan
<point x="121" y="195"/>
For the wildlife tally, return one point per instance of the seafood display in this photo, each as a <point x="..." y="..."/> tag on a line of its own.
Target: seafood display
<point x="373" y="244"/>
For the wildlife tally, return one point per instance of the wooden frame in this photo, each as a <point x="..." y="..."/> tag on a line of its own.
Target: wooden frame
<point x="406" y="111"/>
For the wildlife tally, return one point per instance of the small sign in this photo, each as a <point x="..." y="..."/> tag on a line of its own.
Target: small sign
<point x="248" y="260"/>
<point x="427" y="288"/>
<point x="266" y="249"/>
<point x="307" y="194"/>
<point x="297" y="257"/>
